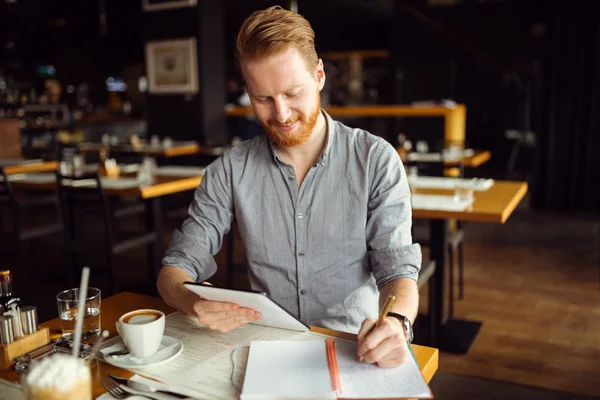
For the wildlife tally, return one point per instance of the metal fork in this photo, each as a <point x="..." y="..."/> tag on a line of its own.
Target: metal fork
<point x="115" y="390"/>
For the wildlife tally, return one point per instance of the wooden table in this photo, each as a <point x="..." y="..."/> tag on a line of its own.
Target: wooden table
<point x="454" y="117"/>
<point x="478" y="158"/>
<point x="175" y="150"/>
<point x="25" y="166"/>
<point x="494" y="205"/>
<point x="115" y="306"/>
<point x="158" y="186"/>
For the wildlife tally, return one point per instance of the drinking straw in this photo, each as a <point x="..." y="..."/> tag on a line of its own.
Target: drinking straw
<point x="85" y="275"/>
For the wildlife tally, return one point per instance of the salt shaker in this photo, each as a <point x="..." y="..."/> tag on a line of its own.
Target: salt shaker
<point x="6" y="329"/>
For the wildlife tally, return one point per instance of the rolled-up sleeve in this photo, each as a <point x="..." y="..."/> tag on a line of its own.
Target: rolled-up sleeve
<point x="209" y="218"/>
<point x="391" y="252"/>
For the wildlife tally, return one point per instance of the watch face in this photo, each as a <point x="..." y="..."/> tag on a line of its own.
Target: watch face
<point x="408" y="331"/>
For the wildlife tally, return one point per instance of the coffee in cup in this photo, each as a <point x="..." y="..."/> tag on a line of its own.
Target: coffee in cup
<point x="58" y="376"/>
<point x="141" y="317"/>
<point x="142" y="331"/>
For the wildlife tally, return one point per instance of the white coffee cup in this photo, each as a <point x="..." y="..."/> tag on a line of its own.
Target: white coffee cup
<point x="142" y="331"/>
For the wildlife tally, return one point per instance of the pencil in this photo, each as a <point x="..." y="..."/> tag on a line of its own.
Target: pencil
<point x="389" y="302"/>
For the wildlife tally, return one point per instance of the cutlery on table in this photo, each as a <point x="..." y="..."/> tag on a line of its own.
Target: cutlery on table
<point x="117" y="392"/>
<point x="143" y="387"/>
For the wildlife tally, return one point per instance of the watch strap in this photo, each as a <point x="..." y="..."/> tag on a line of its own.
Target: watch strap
<point x="408" y="330"/>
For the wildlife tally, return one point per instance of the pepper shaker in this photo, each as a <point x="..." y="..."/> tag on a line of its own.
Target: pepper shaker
<point x="29" y="320"/>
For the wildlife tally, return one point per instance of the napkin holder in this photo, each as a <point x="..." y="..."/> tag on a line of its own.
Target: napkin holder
<point x="25" y="344"/>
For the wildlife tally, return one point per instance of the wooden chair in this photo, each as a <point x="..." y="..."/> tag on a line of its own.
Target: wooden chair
<point x="84" y="194"/>
<point x="24" y="225"/>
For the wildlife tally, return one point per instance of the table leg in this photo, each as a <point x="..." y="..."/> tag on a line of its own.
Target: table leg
<point x="75" y="242"/>
<point x="451" y="334"/>
<point x="155" y="250"/>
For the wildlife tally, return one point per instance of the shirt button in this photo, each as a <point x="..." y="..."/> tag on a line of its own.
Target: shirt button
<point x="301" y="253"/>
<point x="300" y="215"/>
<point x="303" y="291"/>
<point x="291" y="177"/>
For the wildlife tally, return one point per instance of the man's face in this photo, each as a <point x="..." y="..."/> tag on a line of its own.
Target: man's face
<point x="285" y="96"/>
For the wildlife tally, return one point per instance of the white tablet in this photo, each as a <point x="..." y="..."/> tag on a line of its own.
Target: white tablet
<point x="272" y="313"/>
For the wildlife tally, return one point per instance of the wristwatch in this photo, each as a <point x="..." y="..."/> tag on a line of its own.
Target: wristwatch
<point x="408" y="330"/>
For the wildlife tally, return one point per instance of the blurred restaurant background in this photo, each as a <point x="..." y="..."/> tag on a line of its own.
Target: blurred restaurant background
<point x="135" y="98"/>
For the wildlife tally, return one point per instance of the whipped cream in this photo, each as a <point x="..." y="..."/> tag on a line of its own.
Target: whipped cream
<point x="58" y="371"/>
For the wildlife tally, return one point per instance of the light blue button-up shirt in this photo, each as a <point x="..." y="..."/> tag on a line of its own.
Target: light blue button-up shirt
<point x="323" y="250"/>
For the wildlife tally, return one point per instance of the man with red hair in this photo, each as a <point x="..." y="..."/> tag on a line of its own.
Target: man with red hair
<point x="323" y="209"/>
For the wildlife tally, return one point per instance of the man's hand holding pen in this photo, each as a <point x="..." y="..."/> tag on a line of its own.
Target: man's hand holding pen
<point x="383" y="340"/>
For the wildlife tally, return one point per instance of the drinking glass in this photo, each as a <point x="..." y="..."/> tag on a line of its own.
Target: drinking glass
<point x="147" y="169"/>
<point x="78" y="164"/>
<point x="422" y="146"/>
<point x="463" y="190"/>
<point x="43" y="379"/>
<point x="67" y="302"/>
<point x="155" y="141"/>
<point x="452" y="153"/>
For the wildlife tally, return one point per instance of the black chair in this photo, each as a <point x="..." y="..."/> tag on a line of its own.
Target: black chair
<point x="24" y="223"/>
<point x="84" y="194"/>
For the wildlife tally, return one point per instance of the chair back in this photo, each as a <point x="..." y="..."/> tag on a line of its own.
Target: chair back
<point x="78" y="194"/>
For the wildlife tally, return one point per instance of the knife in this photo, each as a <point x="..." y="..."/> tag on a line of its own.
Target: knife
<point x="144" y="387"/>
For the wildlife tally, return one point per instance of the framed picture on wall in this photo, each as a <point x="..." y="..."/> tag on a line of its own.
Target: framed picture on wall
<point x="172" y="66"/>
<point x="157" y="5"/>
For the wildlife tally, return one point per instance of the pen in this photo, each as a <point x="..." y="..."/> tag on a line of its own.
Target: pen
<point x="389" y="302"/>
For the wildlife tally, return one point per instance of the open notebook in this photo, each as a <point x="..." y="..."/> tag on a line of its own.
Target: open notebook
<point x="325" y="369"/>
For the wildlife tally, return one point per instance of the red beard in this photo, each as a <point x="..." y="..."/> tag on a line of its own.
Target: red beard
<point x="299" y="137"/>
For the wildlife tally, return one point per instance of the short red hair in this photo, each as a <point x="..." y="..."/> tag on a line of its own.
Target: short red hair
<point x="273" y="31"/>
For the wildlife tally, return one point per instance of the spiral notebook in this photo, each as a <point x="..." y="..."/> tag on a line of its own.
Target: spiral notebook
<point x="325" y="369"/>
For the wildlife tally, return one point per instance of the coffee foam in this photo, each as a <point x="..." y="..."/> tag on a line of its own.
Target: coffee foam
<point x="59" y="371"/>
<point x="142" y="319"/>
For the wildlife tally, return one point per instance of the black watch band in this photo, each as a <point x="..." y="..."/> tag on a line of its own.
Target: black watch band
<point x="408" y="330"/>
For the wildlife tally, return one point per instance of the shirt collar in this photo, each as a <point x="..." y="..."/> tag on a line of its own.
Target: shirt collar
<point x="330" y="132"/>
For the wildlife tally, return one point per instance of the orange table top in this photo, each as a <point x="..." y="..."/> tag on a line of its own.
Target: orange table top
<point x="494" y="205"/>
<point x="158" y="186"/>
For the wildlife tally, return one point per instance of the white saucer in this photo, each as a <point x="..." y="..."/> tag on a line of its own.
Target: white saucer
<point x="160" y="357"/>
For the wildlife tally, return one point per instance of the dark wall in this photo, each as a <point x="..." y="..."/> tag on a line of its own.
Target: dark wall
<point x="69" y="35"/>
<point x="485" y="55"/>
<point x="174" y="115"/>
<point x="568" y="163"/>
<point x="192" y="116"/>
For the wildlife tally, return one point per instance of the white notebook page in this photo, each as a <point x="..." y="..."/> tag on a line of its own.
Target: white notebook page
<point x="362" y="380"/>
<point x="287" y="370"/>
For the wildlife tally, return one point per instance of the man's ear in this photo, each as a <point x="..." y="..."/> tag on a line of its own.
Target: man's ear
<point x="320" y="75"/>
